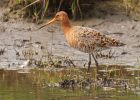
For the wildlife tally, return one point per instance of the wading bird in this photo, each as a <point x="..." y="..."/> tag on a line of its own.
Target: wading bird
<point x="85" y="39"/>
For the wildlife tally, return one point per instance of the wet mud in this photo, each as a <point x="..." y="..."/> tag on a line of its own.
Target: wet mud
<point x="20" y="41"/>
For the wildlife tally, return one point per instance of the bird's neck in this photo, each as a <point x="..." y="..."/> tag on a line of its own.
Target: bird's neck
<point x="66" y="26"/>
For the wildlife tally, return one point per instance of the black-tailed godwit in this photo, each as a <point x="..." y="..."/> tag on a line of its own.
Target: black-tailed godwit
<point x="85" y="39"/>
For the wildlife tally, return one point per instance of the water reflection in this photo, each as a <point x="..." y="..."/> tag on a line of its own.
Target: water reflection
<point x="46" y="85"/>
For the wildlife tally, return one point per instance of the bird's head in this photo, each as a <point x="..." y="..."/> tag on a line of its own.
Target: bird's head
<point x="60" y="16"/>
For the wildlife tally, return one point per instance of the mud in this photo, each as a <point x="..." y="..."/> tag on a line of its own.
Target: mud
<point x="17" y="35"/>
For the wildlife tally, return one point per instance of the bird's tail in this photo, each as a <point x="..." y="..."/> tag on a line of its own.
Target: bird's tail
<point x="114" y="42"/>
<point x="121" y="44"/>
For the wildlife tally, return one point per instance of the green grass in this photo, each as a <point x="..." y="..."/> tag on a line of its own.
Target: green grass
<point x="38" y="9"/>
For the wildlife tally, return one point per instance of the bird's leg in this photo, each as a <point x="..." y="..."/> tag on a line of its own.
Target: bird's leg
<point x="89" y="63"/>
<point x="96" y="62"/>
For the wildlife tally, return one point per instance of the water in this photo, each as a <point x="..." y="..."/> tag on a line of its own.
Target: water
<point x="45" y="85"/>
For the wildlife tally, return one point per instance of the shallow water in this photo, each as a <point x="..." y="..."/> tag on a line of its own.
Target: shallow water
<point x="45" y="85"/>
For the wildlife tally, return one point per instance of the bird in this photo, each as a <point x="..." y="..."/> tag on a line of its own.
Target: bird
<point x="84" y="39"/>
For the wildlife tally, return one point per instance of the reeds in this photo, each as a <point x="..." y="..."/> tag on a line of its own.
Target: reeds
<point x="38" y="9"/>
<point x="130" y="6"/>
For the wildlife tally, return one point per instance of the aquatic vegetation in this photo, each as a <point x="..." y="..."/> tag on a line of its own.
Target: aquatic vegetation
<point x="2" y="51"/>
<point x="38" y="9"/>
<point x="130" y="6"/>
<point x="115" y="82"/>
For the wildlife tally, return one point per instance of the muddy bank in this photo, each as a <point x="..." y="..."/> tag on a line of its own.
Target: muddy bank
<point x="17" y="35"/>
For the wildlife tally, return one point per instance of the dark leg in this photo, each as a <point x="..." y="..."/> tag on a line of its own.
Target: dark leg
<point x="96" y="62"/>
<point x="89" y="63"/>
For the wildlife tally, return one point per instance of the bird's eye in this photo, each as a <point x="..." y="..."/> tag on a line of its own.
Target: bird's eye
<point x="57" y="15"/>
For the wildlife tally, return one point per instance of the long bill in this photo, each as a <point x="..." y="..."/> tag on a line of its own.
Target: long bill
<point x="51" y="21"/>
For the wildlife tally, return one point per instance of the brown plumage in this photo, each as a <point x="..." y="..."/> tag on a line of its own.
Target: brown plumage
<point x="89" y="40"/>
<point x="85" y="39"/>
